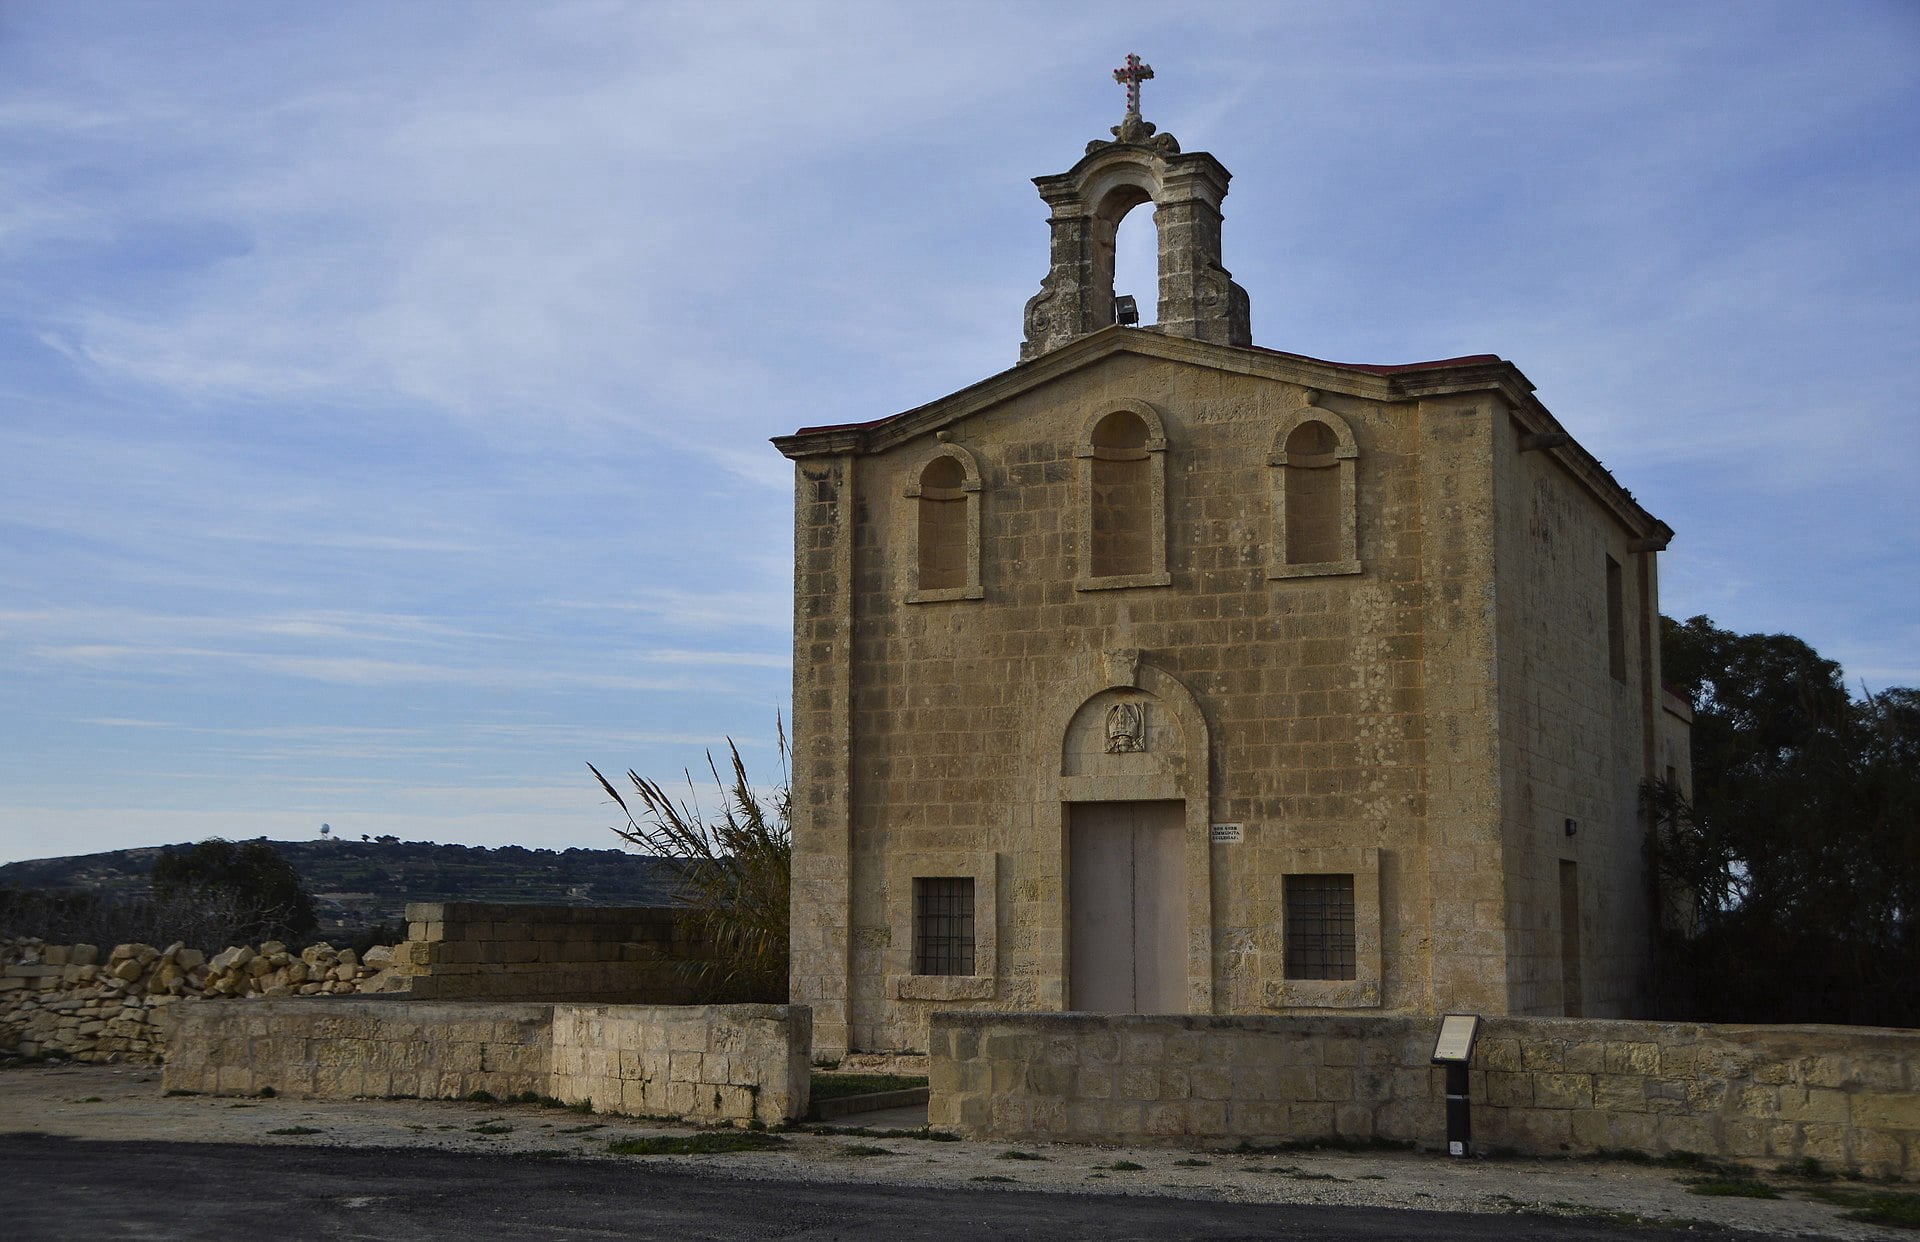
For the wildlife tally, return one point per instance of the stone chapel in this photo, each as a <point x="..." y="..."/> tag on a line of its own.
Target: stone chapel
<point x="1169" y="673"/>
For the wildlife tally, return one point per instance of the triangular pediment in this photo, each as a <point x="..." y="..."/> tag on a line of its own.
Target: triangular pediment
<point x="1371" y="382"/>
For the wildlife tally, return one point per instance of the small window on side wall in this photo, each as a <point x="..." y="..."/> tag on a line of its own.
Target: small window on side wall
<point x="1616" y="622"/>
<point x="1319" y="915"/>
<point x="946" y="525"/>
<point x="943" y="925"/>
<point x="1314" y="497"/>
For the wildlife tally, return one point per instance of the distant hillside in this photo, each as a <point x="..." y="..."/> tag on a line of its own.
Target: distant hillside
<point x="356" y="884"/>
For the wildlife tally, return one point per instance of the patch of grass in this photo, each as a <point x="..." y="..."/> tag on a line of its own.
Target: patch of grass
<point x="88" y="1099"/>
<point x="416" y="1127"/>
<point x="1327" y="1142"/>
<point x="1874" y="1207"/>
<point x="1730" y="1187"/>
<point x="1624" y="1155"/>
<point x="481" y="1097"/>
<point x="589" y="1128"/>
<point x="1191" y="1163"/>
<point x="490" y="1127"/>
<point x="296" y="1130"/>
<point x="544" y="1101"/>
<point x="927" y="1133"/>
<point x="1014" y="1153"/>
<point x="243" y="1106"/>
<point x="1372" y="1177"/>
<point x="707" y="1143"/>
<point x="1807" y="1169"/>
<point x="990" y="1177"/>
<point x="173" y="1091"/>
<point x="1096" y="1175"/>
<point x="867" y="1149"/>
<point x="1687" y="1160"/>
<point x="1691" y="1161"/>
<point x="266" y="1093"/>
<point x="839" y="1086"/>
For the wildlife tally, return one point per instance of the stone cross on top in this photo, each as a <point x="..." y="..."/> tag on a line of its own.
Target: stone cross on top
<point x="1131" y="77"/>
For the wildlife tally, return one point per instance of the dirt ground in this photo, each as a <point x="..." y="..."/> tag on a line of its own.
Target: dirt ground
<point x="127" y="1103"/>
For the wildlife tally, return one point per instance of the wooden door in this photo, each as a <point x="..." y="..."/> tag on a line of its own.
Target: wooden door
<point x="1127" y="895"/>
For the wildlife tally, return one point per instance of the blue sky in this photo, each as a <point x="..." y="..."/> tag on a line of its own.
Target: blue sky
<point x="385" y="389"/>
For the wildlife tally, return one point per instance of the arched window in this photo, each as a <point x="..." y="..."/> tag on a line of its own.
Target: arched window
<point x="1314" y="497"/>
<point x="1123" y="537"/>
<point x="946" y="499"/>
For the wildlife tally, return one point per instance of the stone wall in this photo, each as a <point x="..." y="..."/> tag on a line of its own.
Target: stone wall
<point x="1847" y="1097"/>
<point x="495" y="951"/>
<point x="373" y="1047"/>
<point x="719" y="1063"/>
<point x="731" y="1063"/>
<point x="63" y="1000"/>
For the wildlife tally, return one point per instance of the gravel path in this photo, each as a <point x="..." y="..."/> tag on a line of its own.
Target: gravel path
<point x="127" y="1103"/>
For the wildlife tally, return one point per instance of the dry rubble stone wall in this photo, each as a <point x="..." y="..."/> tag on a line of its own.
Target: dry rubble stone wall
<point x="68" y="1001"/>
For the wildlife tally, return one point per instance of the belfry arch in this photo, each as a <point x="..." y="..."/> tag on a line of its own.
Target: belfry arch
<point x="1198" y="297"/>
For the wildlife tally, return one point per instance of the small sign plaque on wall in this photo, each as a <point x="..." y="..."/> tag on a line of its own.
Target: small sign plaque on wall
<point x="1228" y="834"/>
<point x="1457" y="1033"/>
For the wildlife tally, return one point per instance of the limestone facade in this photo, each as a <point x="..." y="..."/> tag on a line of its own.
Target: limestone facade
<point x="1348" y="674"/>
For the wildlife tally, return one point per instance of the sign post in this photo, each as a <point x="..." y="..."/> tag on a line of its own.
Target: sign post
<point x="1454" y="1049"/>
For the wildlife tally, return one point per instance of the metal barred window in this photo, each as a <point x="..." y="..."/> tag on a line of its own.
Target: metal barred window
<point x="943" y="925"/>
<point x="1319" y="916"/>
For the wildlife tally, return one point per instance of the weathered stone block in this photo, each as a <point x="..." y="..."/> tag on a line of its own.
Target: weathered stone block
<point x="1886" y="1112"/>
<point x="1505" y="1090"/>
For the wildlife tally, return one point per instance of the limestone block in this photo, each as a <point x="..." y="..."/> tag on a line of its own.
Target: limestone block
<point x="227" y="959"/>
<point x="1825" y="1143"/>
<point x="1586" y="1057"/>
<point x="1499" y="1054"/>
<point x="1138" y="1083"/>
<point x="1886" y="1112"/>
<point x="1745" y="1137"/>
<point x="1509" y="1090"/>
<point x="1543" y="1054"/>
<point x="1878" y="1155"/>
<point x="1635" y="1131"/>
<point x="1209" y="1082"/>
<point x="1682" y="1133"/>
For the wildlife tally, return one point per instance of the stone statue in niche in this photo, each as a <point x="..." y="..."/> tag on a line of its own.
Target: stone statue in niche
<point x="1126" y="728"/>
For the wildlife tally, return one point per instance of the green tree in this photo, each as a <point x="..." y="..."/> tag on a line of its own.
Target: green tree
<point x="735" y="872"/>
<point x="1798" y="852"/>
<point x="250" y="879"/>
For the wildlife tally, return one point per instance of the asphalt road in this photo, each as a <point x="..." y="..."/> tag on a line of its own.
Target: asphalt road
<point x="57" y="1188"/>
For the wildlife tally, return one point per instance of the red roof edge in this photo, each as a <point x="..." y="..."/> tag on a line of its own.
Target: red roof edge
<point x="1378" y="368"/>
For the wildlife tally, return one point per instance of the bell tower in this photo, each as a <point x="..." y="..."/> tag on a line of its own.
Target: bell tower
<point x="1198" y="298"/>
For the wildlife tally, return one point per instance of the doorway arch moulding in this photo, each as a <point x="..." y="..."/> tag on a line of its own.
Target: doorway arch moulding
<point x="1181" y="772"/>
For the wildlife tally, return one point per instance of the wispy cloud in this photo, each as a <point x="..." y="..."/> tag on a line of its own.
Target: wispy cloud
<point x="385" y="389"/>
